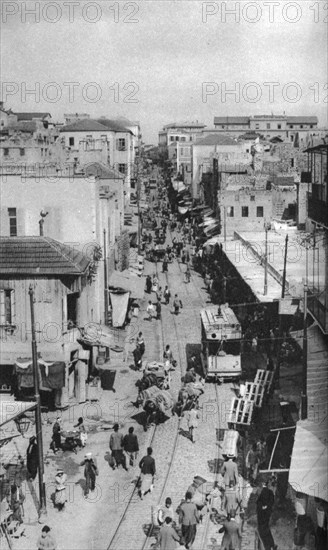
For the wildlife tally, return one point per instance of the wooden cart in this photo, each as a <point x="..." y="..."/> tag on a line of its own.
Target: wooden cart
<point x="265" y="379"/>
<point x="254" y="393"/>
<point x="241" y="412"/>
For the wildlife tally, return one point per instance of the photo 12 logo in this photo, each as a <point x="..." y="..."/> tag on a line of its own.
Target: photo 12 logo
<point x="271" y="92"/>
<point x="264" y="12"/>
<point x="70" y="92"/>
<point x="54" y="12"/>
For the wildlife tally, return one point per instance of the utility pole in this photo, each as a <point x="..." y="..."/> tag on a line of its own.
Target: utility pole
<point x="138" y="205"/>
<point x="224" y="289"/>
<point x="281" y="328"/>
<point x="284" y="272"/>
<point x="105" y="280"/>
<point x="38" y="421"/>
<point x="266" y="262"/>
<point x="225" y="224"/>
<point x="304" y="407"/>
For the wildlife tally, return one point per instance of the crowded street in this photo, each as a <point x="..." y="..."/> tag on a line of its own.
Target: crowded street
<point x="190" y="455"/>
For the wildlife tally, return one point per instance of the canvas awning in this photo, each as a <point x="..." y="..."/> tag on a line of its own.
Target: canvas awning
<point x="51" y="374"/>
<point x="213" y="228"/>
<point x="9" y="410"/>
<point x="308" y="468"/>
<point x="128" y="281"/>
<point x="95" y="334"/>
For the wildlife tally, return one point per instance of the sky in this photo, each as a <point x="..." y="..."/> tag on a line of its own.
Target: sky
<point x="165" y="61"/>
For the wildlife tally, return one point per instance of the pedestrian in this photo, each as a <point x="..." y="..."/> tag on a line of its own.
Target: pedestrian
<point x="232" y="533"/>
<point x="158" y="311"/>
<point x="190" y="376"/>
<point x="168" y="536"/>
<point x="150" y="310"/>
<point x="264" y="507"/>
<point x="155" y="283"/>
<point x="165" y="511"/>
<point x="261" y="450"/>
<point x="159" y="294"/>
<point x="192" y="418"/>
<point x="230" y="471"/>
<point x="55" y="444"/>
<point x="83" y="433"/>
<point x="148" y="469"/>
<point x="252" y="461"/>
<point x="177" y="304"/>
<point x="167" y="354"/>
<point x="254" y="344"/>
<point x="167" y="295"/>
<point x="90" y="473"/>
<point x="15" y="499"/>
<point x="137" y="358"/>
<point x="32" y="458"/>
<point x="45" y="540"/>
<point x="60" y="493"/>
<point x="188" y="274"/>
<point x="131" y="447"/>
<point x="149" y="284"/>
<point x="231" y="499"/>
<point x="141" y="343"/>
<point x="165" y="263"/>
<point x="189" y="517"/>
<point x="183" y="256"/>
<point x="116" y="446"/>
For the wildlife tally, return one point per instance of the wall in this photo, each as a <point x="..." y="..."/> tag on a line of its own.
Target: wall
<point x="237" y="199"/>
<point x="83" y="150"/>
<point x="70" y="201"/>
<point x="54" y="340"/>
<point x="281" y="198"/>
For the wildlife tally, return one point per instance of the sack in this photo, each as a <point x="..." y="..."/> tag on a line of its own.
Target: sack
<point x="112" y="461"/>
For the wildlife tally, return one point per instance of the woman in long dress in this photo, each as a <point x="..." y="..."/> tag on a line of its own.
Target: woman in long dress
<point x="32" y="459"/>
<point x="60" y="494"/>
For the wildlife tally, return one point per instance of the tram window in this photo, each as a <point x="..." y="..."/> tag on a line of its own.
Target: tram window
<point x="232" y="347"/>
<point x="213" y="347"/>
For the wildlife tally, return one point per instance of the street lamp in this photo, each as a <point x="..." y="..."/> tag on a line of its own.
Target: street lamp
<point x="22" y="424"/>
<point x="38" y="422"/>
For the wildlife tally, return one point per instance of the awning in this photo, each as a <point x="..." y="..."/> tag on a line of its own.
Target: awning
<point x="119" y="304"/>
<point x="308" y="468"/>
<point x="95" y="334"/>
<point x="51" y="374"/>
<point x="9" y="410"/>
<point x="131" y="229"/>
<point x="212" y="229"/>
<point x="178" y="186"/>
<point x="128" y="281"/>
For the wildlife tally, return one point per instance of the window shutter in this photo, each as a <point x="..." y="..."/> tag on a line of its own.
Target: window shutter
<point x="21" y="223"/>
<point x="64" y="313"/>
<point x="2" y="308"/>
<point x="117" y="145"/>
<point x="13" y="307"/>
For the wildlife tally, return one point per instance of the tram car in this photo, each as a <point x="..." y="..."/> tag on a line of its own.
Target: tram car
<point x="221" y="343"/>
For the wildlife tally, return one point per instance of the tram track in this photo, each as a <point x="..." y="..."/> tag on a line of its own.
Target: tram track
<point x="133" y="511"/>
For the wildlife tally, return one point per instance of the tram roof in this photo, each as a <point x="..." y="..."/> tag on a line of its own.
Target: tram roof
<point x="219" y="317"/>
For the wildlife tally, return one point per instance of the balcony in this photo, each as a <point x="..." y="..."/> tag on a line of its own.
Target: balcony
<point x="318" y="307"/>
<point x="317" y="210"/>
